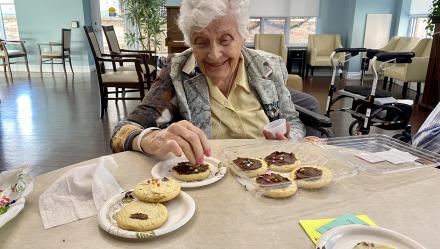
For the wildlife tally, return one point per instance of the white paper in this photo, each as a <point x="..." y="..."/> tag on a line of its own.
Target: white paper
<point x="393" y="156"/>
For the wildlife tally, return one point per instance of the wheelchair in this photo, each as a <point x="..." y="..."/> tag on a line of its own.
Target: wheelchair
<point x="371" y="106"/>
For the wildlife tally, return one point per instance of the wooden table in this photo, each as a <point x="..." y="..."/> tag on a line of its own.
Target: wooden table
<point x="229" y="217"/>
<point x="297" y="56"/>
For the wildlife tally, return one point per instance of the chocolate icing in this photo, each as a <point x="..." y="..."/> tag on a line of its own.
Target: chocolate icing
<point x="185" y="168"/>
<point x="271" y="178"/>
<point x="139" y="216"/>
<point x="280" y="158"/>
<point x="305" y="173"/>
<point x="247" y="163"/>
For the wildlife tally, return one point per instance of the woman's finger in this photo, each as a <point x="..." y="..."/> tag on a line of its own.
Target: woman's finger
<point x="206" y="146"/>
<point x="287" y="135"/>
<point x="268" y="135"/>
<point x="187" y="149"/>
<point x="194" y="141"/>
<point x="280" y="136"/>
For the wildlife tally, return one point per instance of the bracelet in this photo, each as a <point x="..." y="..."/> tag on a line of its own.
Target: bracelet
<point x="143" y="134"/>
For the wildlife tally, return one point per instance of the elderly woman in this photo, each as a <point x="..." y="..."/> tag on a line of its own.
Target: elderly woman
<point x="216" y="89"/>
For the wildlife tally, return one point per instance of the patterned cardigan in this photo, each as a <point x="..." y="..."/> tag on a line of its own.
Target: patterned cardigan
<point x="181" y="92"/>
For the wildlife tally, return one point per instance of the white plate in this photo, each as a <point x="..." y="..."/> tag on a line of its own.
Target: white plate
<point x="163" y="169"/>
<point x="346" y="237"/>
<point x="180" y="211"/>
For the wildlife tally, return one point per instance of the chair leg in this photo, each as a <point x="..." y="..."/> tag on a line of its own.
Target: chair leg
<point x="51" y="62"/>
<point x="70" y="62"/>
<point x="41" y="67"/>
<point x="385" y="81"/>
<point x="311" y="70"/>
<point x="419" y="88"/>
<point x="307" y="70"/>
<point x="391" y="84"/>
<point x="64" y="67"/>
<point x="117" y="94"/>
<point x="405" y="89"/>
<point x="9" y="66"/>
<point x="27" y="64"/>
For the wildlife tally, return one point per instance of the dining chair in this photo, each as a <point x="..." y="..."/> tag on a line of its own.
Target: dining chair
<point x="272" y="43"/>
<point x="16" y="50"/>
<point x="116" y="51"/>
<point x="48" y="56"/>
<point x="114" y="78"/>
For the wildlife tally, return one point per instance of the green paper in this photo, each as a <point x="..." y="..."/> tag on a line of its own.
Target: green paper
<point x="344" y="219"/>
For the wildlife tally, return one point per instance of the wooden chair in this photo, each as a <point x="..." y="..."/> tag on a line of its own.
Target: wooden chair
<point x="7" y="54"/>
<point x="51" y="55"/>
<point x="116" y="51"/>
<point x="115" y="78"/>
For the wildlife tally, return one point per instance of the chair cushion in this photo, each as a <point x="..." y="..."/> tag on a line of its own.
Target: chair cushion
<point x="13" y="53"/>
<point x="52" y="54"/>
<point x="322" y="61"/>
<point x="366" y="90"/>
<point x="120" y="77"/>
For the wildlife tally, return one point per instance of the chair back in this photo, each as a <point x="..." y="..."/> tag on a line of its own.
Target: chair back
<point x="406" y="44"/>
<point x="272" y="43"/>
<point x="423" y="48"/>
<point x="66" y="35"/>
<point x="325" y="44"/>
<point x="94" y="45"/>
<point x="112" y="39"/>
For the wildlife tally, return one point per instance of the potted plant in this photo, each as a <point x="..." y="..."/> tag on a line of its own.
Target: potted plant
<point x="434" y="17"/>
<point x="148" y="18"/>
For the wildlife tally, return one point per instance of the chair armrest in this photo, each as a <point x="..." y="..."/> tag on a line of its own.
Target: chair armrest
<point x="139" y="51"/>
<point x="13" y="41"/>
<point x="313" y="119"/>
<point x="117" y="60"/>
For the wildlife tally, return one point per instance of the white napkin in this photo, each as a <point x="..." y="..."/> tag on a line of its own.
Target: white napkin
<point x="79" y="193"/>
<point x="15" y="185"/>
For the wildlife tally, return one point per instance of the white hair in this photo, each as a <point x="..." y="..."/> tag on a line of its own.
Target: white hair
<point x="199" y="13"/>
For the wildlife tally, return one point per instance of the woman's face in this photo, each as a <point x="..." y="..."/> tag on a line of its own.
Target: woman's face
<point x="217" y="48"/>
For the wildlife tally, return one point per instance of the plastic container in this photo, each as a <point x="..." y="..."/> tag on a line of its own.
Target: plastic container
<point x="308" y="153"/>
<point x="276" y="126"/>
<point x="352" y="147"/>
<point x="303" y="201"/>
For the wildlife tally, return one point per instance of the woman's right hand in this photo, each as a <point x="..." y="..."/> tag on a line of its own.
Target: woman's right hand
<point x="180" y="137"/>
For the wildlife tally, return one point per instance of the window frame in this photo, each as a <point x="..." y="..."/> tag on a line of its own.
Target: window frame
<point x="287" y="21"/>
<point x="412" y="24"/>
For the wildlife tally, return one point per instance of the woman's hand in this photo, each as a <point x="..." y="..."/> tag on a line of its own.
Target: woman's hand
<point x="180" y="137"/>
<point x="278" y="136"/>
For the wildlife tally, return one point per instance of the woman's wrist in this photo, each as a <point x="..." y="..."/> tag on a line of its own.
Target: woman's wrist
<point x="137" y="142"/>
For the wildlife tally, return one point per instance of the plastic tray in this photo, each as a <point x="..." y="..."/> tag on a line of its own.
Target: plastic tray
<point x="308" y="153"/>
<point x="351" y="147"/>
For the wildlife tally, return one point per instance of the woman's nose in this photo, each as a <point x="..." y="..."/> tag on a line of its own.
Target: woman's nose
<point x="214" y="53"/>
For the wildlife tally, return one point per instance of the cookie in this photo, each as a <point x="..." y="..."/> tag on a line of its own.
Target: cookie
<point x="184" y="171"/>
<point x="311" y="176"/>
<point x="156" y="190"/>
<point x="141" y="216"/>
<point x="251" y="166"/>
<point x="276" y="186"/>
<point x="282" y="161"/>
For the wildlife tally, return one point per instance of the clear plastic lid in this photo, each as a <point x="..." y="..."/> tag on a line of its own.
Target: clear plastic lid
<point x="307" y="154"/>
<point x="380" y="154"/>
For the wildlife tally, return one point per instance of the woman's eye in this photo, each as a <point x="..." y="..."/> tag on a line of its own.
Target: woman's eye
<point x="226" y="40"/>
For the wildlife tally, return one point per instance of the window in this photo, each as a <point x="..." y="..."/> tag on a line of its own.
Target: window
<point x="300" y="29"/>
<point x="295" y="29"/>
<point x="8" y="21"/>
<point x="112" y="14"/>
<point x="418" y="25"/>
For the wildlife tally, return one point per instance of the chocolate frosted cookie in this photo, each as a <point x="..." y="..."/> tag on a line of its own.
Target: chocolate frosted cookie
<point x="251" y="166"/>
<point x="140" y="216"/>
<point x="371" y="245"/>
<point x="282" y="161"/>
<point x="185" y="171"/>
<point x="277" y="185"/>
<point x="312" y="176"/>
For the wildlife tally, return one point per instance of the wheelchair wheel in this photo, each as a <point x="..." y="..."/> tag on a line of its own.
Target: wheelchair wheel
<point x="355" y="128"/>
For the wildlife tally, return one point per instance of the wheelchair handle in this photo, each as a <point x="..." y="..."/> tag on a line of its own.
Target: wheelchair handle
<point x="400" y="57"/>
<point x="352" y="51"/>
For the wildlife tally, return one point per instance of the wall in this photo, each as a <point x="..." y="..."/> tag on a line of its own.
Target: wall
<point x="336" y="17"/>
<point x="364" y="7"/>
<point x="41" y="22"/>
<point x="402" y="11"/>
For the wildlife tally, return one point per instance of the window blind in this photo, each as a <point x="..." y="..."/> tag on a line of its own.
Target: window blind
<point x="420" y="7"/>
<point x="284" y="8"/>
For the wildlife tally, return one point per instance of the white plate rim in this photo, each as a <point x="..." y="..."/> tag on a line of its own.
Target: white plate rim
<point x="326" y="237"/>
<point x="222" y="169"/>
<point x="107" y="226"/>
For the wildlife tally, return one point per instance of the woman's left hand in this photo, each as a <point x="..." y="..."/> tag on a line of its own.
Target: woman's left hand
<point x="278" y="136"/>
